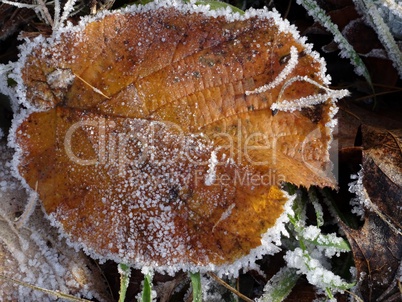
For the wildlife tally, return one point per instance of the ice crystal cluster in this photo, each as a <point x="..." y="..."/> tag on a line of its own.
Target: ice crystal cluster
<point x="361" y="201"/>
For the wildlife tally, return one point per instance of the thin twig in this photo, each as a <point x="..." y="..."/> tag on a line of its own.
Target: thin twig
<point x="285" y="15"/>
<point x="356" y="297"/>
<point x="233" y="290"/>
<point x="46" y="12"/>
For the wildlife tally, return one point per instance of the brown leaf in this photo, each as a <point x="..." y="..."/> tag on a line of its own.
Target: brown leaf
<point x="342" y="16"/>
<point x="377" y="252"/>
<point x="362" y="37"/>
<point x="351" y="116"/>
<point x="377" y="247"/>
<point x="382" y="163"/>
<point x="147" y="148"/>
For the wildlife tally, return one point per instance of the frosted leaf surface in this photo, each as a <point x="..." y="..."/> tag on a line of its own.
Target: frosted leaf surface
<point x="33" y="253"/>
<point x="146" y="147"/>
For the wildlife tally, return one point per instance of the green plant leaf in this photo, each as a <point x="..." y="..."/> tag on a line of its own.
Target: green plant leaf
<point x="196" y="284"/>
<point x="124" y="271"/>
<point x="280" y="285"/>
<point x="331" y="241"/>
<point x="147" y="289"/>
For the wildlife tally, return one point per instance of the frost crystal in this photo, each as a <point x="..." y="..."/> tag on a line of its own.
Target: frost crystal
<point x="361" y="200"/>
<point x="211" y="176"/>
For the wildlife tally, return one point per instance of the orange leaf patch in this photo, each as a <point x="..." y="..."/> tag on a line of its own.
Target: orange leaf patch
<point x="160" y="135"/>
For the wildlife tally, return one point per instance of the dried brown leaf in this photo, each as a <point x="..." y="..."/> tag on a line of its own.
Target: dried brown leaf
<point x="377" y="252"/>
<point x="377" y="247"/>
<point x="153" y="145"/>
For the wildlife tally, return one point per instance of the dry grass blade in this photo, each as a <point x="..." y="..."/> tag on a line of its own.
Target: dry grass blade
<point x="232" y="289"/>
<point x="52" y="293"/>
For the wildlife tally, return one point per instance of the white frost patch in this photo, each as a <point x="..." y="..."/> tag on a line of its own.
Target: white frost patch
<point x="146" y="270"/>
<point x="329" y="244"/>
<point x="316" y="274"/>
<point x="149" y="272"/>
<point x="311" y="232"/>
<point x="211" y="176"/>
